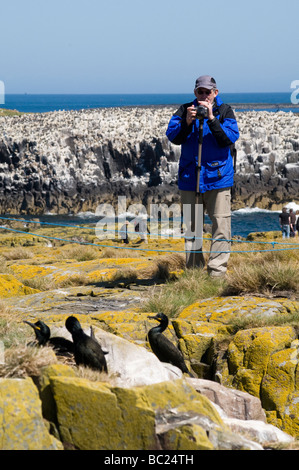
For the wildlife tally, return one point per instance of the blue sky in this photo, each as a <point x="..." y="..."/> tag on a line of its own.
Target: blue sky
<point x="158" y="46"/>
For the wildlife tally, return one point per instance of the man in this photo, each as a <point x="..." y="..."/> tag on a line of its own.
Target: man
<point x="219" y="133"/>
<point x="292" y="222"/>
<point x="285" y="223"/>
<point x="124" y="232"/>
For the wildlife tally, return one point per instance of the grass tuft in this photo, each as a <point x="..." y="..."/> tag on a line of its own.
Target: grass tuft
<point x="23" y="361"/>
<point x="263" y="277"/>
<point x="174" y="296"/>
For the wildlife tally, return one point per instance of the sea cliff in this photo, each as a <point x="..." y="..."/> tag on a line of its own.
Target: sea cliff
<point x="71" y="161"/>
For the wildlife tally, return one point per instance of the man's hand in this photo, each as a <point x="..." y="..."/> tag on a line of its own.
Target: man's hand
<point x="191" y="114"/>
<point x="209" y="106"/>
<point x="191" y="111"/>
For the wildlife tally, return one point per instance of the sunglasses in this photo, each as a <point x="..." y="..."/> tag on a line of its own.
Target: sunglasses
<point x="201" y="91"/>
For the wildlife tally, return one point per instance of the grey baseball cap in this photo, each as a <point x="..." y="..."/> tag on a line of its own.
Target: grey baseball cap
<point x="205" y="81"/>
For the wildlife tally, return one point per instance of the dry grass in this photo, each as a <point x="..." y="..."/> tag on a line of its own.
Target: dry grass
<point x="3" y="265"/>
<point x="166" y="267"/>
<point x="79" y="253"/>
<point x="174" y="296"/>
<point x="90" y="374"/>
<point x="11" y="333"/>
<point x="110" y="252"/>
<point x="25" y="361"/>
<point x="20" y="360"/>
<point x="18" y="252"/>
<point x="127" y="274"/>
<point x="80" y="279"/>
<point x="254" y="268"/>
<point x="46" y="283"/>
<point x="163" y="268"/>
<point x="263" y="277"/>
<point x="264" y="268"/>
<point x="260" y="321"/>
<point x="43" y="283"/>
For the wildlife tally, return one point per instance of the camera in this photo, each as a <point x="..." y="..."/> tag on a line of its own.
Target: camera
<point x="201" y="112"/>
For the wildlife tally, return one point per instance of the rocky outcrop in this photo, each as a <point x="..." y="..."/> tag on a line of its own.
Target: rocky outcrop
<point x="249" y="377"/>
<point x="22" y="426"/>
<point x="73" y="161"/>
<point x="268" y="159"/>
<point x="244" y="397"/>
<point x="60" y="410"/>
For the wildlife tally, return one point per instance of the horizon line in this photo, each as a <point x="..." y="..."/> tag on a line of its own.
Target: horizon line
<point x="140" y="93"/>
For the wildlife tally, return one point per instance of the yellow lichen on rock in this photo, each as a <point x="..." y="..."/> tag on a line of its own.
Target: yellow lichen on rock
<point x="48" y="403"/>
<point x="280" y="389"/>
<point x="179" y="395"/>
<point x="11" y="287"/>
<point x="186" y="437"/>
<point x="91" y="417"/>
<point x="21" y="423"/>
<point x="249" y="354"/>
<point x="131" y="324"/>
<point x="225" y="309"/>
<point x="29" y="271"/>
<point x="97" y="415"/>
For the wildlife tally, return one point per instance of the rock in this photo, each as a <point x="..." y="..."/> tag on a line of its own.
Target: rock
<point x="204" y="324"/>
<point x="249" y="353"/>
<point x="11" y="287"/>
<point x="222" y="310"/>
<point x="184" y="437"/>
<point x="263" y="362"/>
<point x="259" y="431"/>
<point x="292" y="171"/>
<point x="233" y="403"/>
<point x="91" y="417"/>
<point x="168" y="415"/>
<point x="248" y="375"/>
<point x="67" y="161"/>
<point x="134" y="365"/>
<point x="241" y="412"/>
<point x="21" y="423"/>
<point x="43" y="384"/>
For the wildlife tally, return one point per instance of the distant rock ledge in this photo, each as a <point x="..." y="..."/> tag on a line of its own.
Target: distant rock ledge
<point x="72" y="161"/>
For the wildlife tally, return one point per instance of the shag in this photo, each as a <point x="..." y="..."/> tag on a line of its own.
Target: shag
<point x="164" y="349"/>
<point x="61" y="346"/>
<point x="87" y="350"/>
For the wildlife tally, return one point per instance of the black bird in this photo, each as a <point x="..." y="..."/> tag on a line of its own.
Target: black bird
<point x="164" y="349"/>
<point x="61" y="346"/>
<point x="87" y="351"/>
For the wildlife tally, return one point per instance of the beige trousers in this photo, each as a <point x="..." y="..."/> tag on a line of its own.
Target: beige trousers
<point x="217" y="204"/>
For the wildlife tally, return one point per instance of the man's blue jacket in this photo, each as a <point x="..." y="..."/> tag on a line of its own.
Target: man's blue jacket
<point x="219" y="135"/>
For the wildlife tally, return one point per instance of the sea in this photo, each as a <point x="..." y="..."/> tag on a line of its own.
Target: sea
<point x="43" y="103"/>
<point x="244" y="221"/>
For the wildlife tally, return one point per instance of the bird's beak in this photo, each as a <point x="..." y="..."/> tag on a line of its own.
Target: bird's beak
<point x="154" y="318"/>
<point x="32" y="325"/>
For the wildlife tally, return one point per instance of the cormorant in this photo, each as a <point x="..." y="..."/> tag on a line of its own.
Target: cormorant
<point x="87" y="350"/>
<point x="61" y="346"/>
<point x="164" y="349"/>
